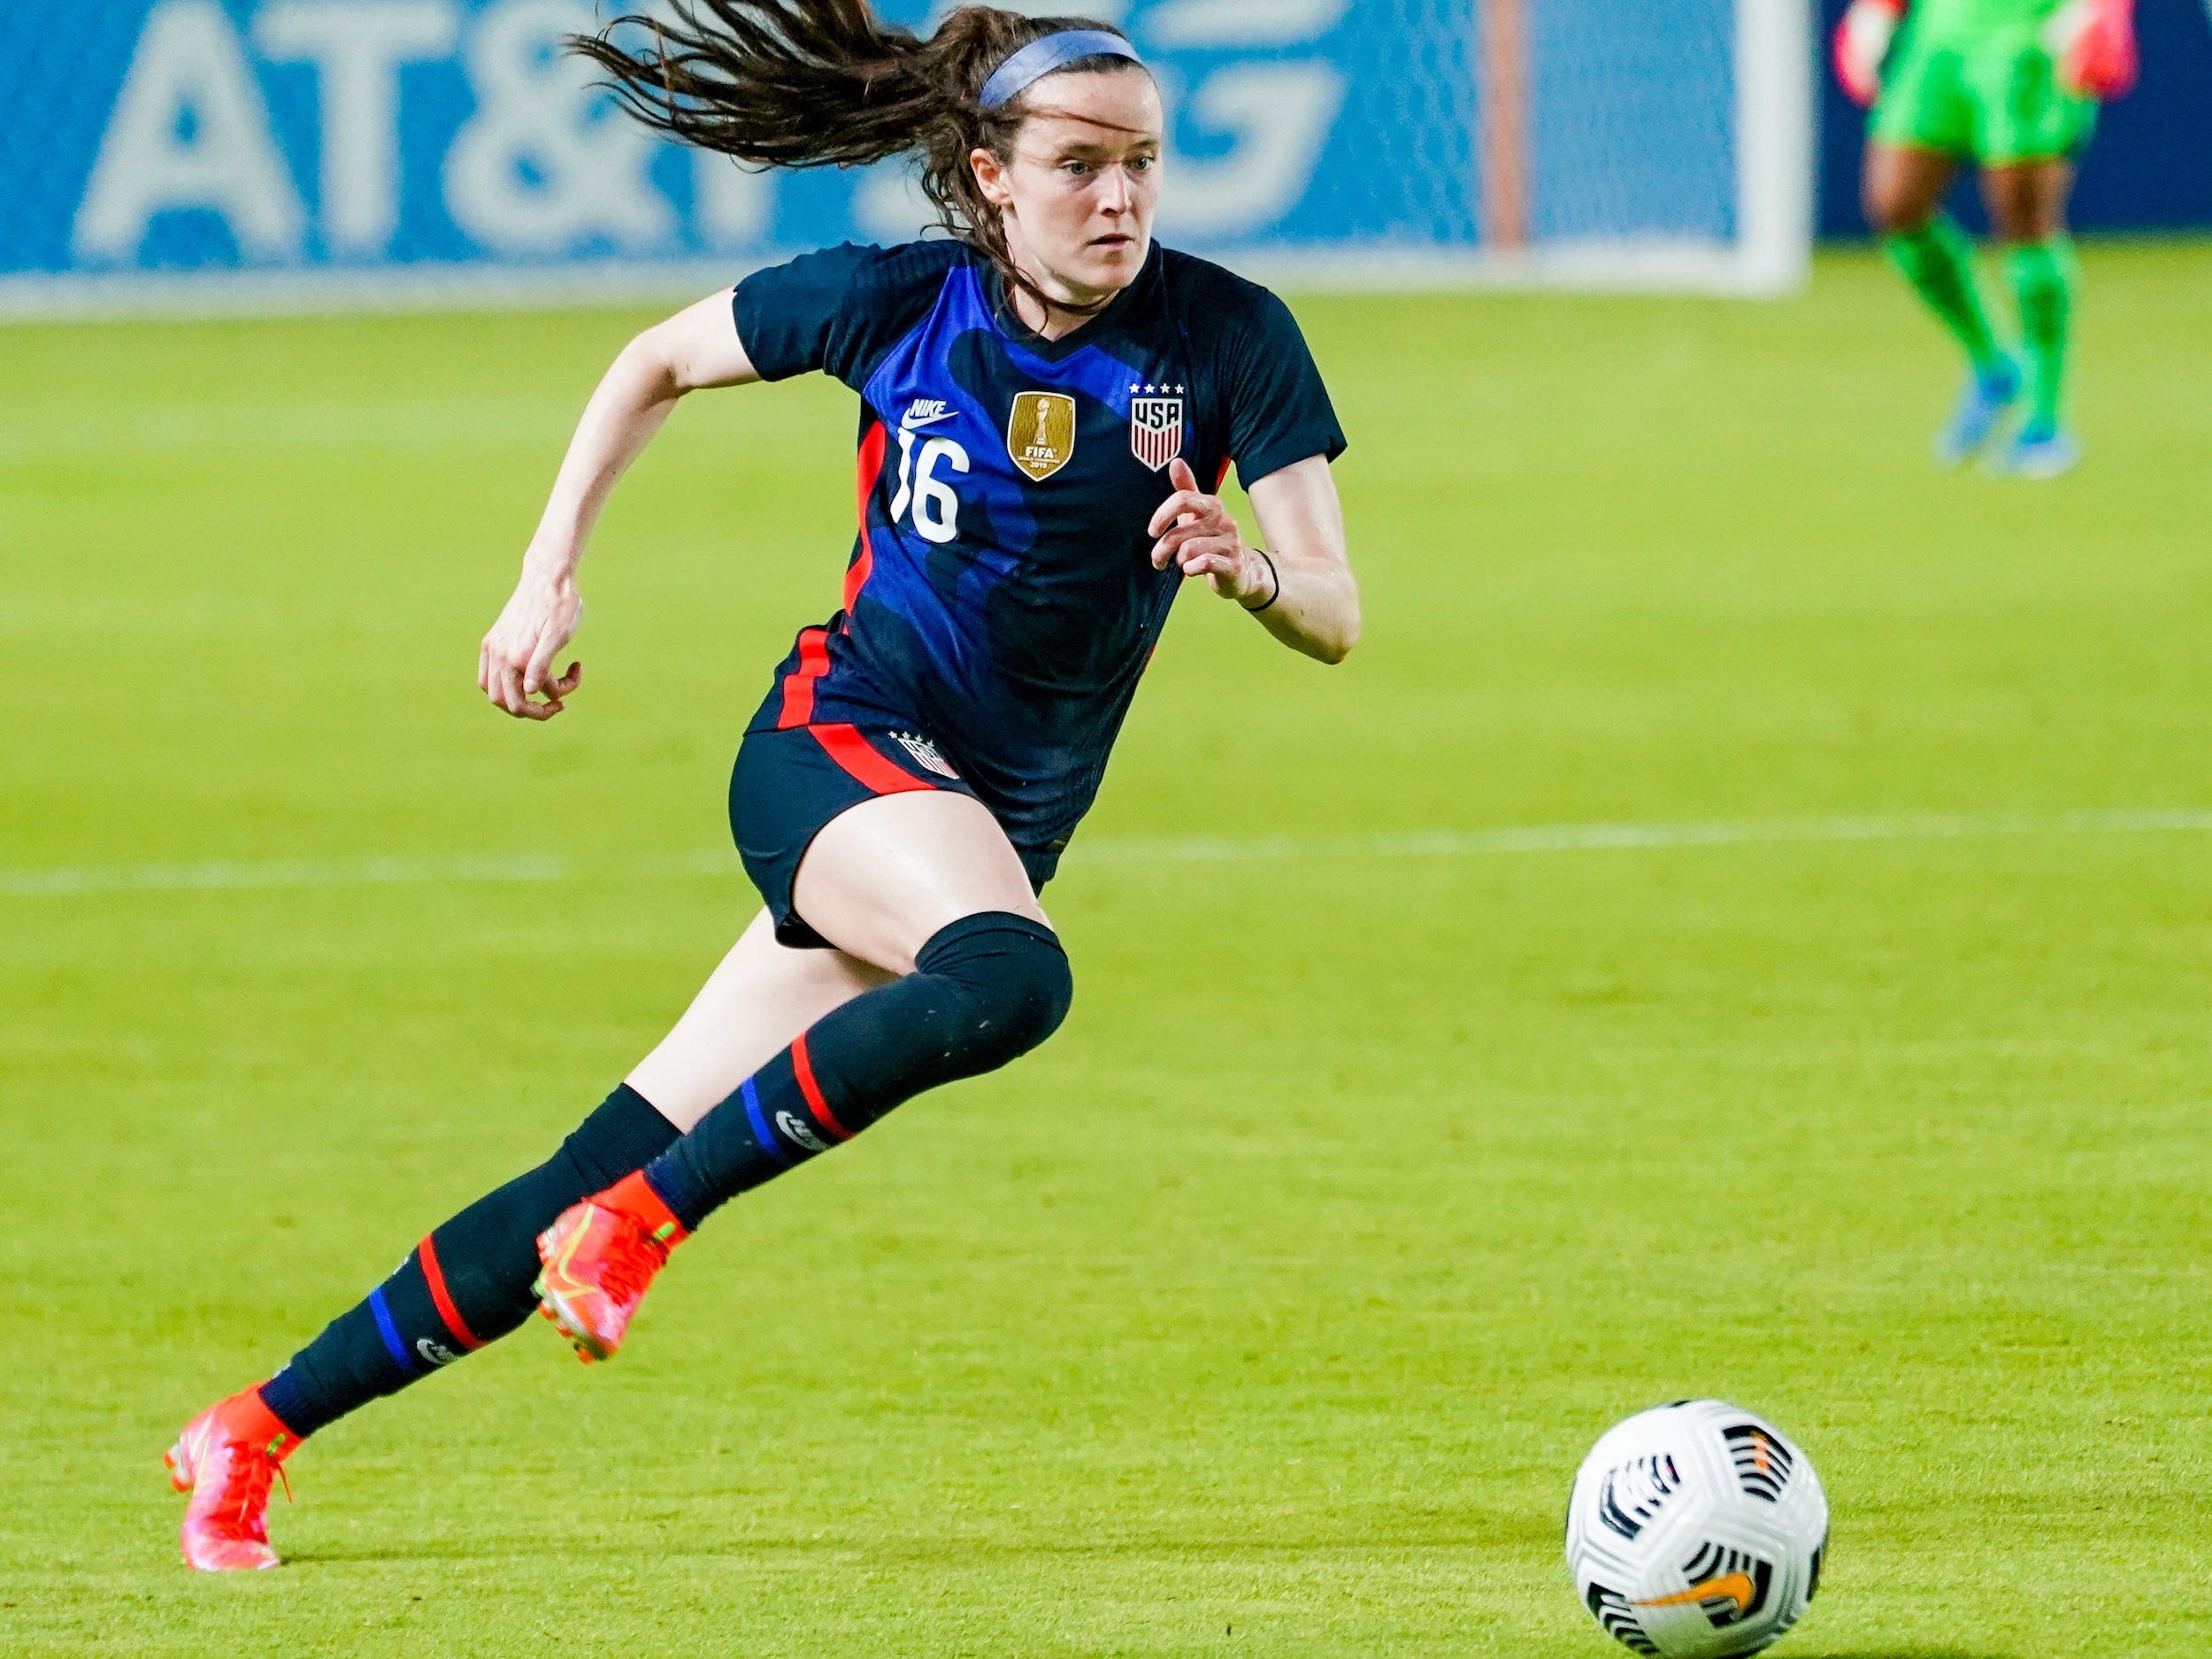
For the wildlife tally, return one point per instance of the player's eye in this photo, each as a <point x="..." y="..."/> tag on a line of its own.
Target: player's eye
<point x="1075" y="169"/>
<point x="1142" y="163"/>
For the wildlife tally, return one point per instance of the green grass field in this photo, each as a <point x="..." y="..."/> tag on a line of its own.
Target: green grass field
<point x="1269" y="1308"/>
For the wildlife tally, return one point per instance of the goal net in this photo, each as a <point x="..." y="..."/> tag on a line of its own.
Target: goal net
<point x="1587" y="142"/>
<point x="243" y="154"/>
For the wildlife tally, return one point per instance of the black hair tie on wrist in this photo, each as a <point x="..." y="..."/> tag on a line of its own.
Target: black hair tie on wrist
<point x="1275" y="578"/>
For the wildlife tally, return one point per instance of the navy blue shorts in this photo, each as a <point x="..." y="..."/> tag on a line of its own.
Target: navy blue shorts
<point x="788" y="783"/>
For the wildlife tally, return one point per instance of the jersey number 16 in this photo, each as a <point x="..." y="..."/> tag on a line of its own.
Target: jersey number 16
<point x="936" y="509"/>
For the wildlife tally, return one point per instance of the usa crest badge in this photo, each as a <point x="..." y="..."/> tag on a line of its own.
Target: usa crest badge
<point x="1041" y="434"/>
<point x="1156" y="430"/>
<point x="926" y="753"/>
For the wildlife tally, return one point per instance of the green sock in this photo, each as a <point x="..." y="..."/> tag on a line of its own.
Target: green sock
<point x="1938" y="261"/>
<point x="2043" y="276"/>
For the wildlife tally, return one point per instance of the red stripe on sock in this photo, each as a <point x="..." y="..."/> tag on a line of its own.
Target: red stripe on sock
<point x="871" y="469"/>
<point x="845" y="745"/>
<point x="812" y="1090"/>
<point x="427" y="1253"/>
<point x="798" y="686"/>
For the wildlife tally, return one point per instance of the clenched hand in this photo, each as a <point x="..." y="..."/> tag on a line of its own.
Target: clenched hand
<point x="514" y="666"/>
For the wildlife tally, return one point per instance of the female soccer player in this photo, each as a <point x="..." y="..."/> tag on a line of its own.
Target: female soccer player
<point x="1041" y="393"/>
<point x="2010" y="85"/>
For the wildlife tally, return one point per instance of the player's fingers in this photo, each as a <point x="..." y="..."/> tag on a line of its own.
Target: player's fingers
<point x="556" y="689"/>
<point x="1215" y="523"/>
<point x="538" y="674"/>
<point x="1163" y="550"/>
<point x="484" y="665"/>
<point x="1174" y="507"/>
<point x="1178" y="473"/>
<point x="511" y="693"/>
<point x="1208" y="557"/>
<point x="496" y="655"/>
<point x="1209" y="526"/>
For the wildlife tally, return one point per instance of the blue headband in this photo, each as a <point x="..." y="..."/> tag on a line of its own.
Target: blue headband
<point x="1040" y="58"/>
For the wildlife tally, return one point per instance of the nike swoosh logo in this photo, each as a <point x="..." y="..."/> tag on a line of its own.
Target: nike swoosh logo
<point x="909" y="423"/>
<point x="1736" y="1586"/>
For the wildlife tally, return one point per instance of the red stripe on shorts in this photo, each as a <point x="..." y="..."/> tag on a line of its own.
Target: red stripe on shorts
<point x="427" y="1253"/>
<point x="812" y="1090"/>
<point x="845" y="745"/>
<point x="798" y="684"/>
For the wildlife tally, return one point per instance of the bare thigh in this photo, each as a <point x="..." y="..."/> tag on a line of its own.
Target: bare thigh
<point x="881" y="879"/>
<point x="761" y="996"/>
<point x="2027" y="199"/>
<point x="1903" y="186"/>
<point x="877" y="881"/>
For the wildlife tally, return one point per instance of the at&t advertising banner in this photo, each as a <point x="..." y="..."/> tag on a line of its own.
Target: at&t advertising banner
<point x="245" y="148"/>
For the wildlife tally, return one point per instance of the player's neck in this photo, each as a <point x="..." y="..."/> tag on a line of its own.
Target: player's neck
<point x="1052" y="321"/>
<point x="1048" y="306"/>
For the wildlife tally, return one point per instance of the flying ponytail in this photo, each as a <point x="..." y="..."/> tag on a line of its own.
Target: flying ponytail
<point x="811" y="83"/>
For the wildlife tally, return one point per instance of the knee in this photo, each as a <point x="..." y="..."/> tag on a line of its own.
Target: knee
<point x="1034" y="991"/>
<point x="1899" y="193"/>
<point x="1890" y="210"/>
<point x="1014" y="982"/>
<point x="2018" y="218"/>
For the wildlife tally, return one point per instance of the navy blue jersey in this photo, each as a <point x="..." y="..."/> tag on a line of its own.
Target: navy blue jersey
<point x="1001" y="595"/>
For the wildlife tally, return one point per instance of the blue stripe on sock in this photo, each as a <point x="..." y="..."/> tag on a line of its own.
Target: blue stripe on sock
<point x="762" y="1132"/>
<point x="389" y="1329"/>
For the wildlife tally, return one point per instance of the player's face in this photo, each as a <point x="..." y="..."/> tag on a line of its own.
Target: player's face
<point x="1078" y="192"/>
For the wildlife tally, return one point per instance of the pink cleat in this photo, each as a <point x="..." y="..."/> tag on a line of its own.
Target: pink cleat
<point x="225" y="1458"/>
<point x="599" y="1258"/>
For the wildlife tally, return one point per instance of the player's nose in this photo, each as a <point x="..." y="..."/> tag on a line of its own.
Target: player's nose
<point x="1115" y="193"/>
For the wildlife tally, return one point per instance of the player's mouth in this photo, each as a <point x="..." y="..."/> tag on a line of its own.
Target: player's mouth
<point x="1113" y="243"/>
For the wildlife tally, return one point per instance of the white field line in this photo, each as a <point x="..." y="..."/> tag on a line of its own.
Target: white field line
<point x="69" y="880"/>
<point x="407" y="424"/>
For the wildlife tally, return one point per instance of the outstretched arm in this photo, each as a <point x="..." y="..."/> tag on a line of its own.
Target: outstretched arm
<point x="696" y="348"/>
<point x="1300" y="588"/>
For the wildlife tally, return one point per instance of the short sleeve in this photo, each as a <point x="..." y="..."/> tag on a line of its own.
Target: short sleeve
<point x="804" y="315"/>
<point x="1279" y="409"/>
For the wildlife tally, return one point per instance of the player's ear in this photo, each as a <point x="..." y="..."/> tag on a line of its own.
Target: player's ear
<point x="990" y="177"/>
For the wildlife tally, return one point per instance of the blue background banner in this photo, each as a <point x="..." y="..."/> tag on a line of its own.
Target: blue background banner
<point x="374" y="141"/>
<point x="366" y="138"/>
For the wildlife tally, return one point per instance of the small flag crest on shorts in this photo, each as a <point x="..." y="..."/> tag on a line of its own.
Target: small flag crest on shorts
<point x="1156" y="430"/>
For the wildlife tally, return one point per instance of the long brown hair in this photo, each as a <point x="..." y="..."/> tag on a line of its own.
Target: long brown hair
<point x="810" y="83"/>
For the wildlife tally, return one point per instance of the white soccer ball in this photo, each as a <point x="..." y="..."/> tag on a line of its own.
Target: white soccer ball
<point x="1696" y="1529"/>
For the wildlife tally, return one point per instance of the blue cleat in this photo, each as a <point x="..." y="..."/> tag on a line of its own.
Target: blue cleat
<point x="2039" y="451"/>
<point x="1989" y="394"/>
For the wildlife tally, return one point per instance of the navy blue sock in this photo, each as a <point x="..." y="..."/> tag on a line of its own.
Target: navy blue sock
<point x="469" y="1282"/>
<point x="984" y="990"/>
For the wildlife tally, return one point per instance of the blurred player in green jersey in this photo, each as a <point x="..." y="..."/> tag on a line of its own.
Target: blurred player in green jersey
<point x="2011" y="85"/>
